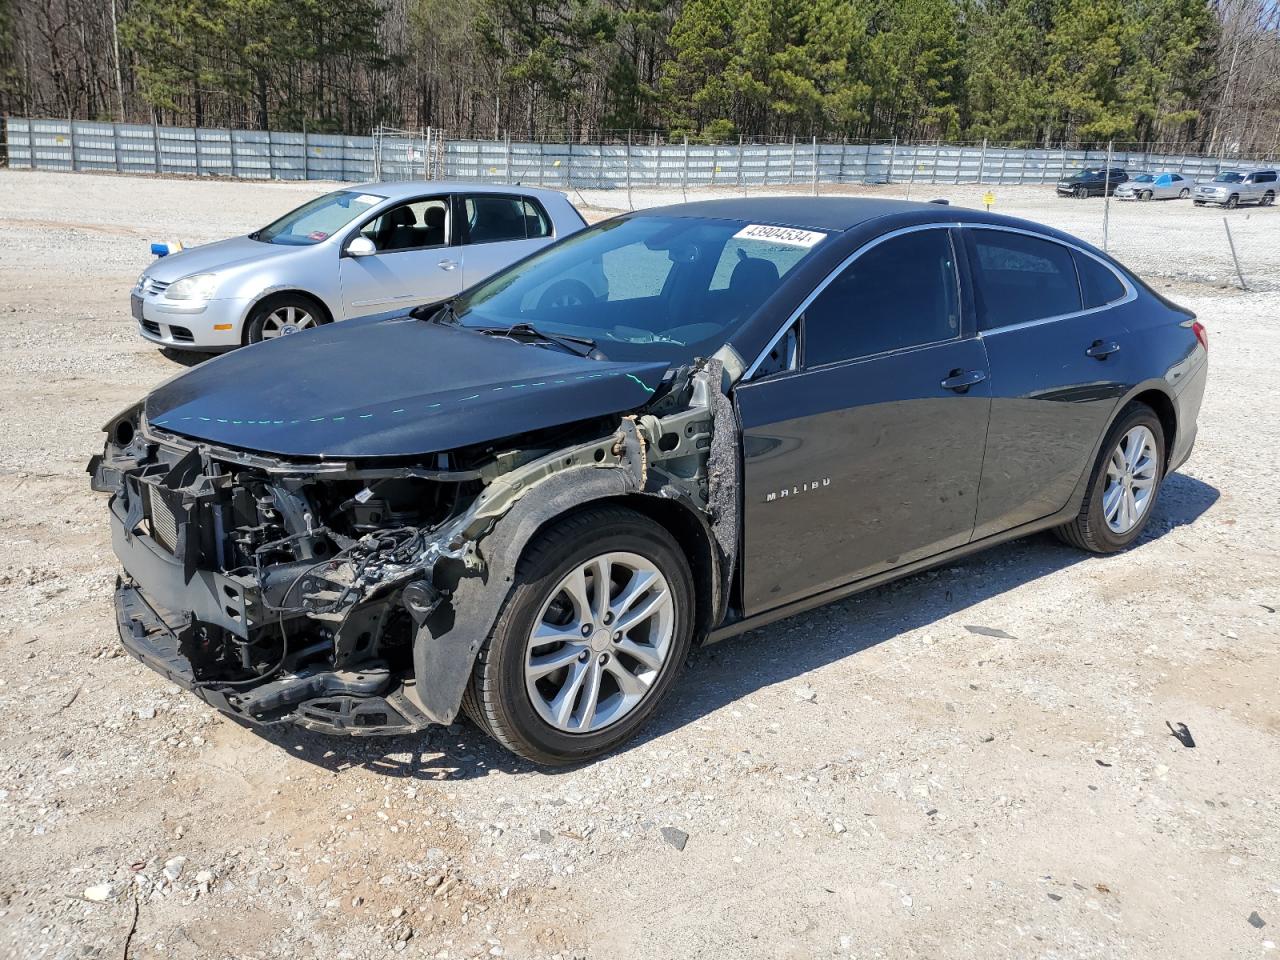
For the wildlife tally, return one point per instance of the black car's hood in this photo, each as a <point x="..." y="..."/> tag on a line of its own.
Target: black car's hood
<point x="390" y="388"/>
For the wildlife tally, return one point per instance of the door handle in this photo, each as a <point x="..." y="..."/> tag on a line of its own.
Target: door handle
<point x="961" y="380"/>
<point x="447" y="264"/>
<point x="1101" y="349"/>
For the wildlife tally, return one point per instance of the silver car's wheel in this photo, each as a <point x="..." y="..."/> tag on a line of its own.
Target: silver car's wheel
<point x="285" y="320"/>
<point x="1131" y="480"/>
<point x="600" y="642"/>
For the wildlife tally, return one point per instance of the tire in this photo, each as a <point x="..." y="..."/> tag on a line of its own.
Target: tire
<point x="1184" y="193"/>
<point x="500" y="698"/>
<point x="1145" y="195"/>
<point x="283" y="314"/>
<point x="1082" y="193"/>
<point x="1198" y="203"/>
<point x="1268" y="198"/>
<point x="1233" y="201"/>
<point x="1090" y="530"/>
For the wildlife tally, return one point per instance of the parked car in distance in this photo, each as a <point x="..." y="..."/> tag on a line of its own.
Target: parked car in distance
<point x="527" y="509"/>
<point x="1154" y="186"/>
<point x="1092" y="182"/>
<point x="1234" y="187"/>
<point x="362" y="250"/>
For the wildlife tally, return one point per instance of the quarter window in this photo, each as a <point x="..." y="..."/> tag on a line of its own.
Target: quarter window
<point x="1098" y="285"/>
<point x="1020" y="278"/>
<point x="900" y="293"/>
<point x="492" y="218"/>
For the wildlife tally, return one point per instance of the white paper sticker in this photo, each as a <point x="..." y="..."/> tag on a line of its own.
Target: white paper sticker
<point x="368" y="198"/>
<point x="788" y="236"/>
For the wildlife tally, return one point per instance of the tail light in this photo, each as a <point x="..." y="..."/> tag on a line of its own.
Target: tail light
<point x="1201" y="333"/>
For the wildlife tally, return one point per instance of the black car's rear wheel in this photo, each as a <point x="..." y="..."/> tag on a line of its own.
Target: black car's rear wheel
<point x="282" y="315"/>
<point x="591" y="639"/>
<point x="1124" y="484"/>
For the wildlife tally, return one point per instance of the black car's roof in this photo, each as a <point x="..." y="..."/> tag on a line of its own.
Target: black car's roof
<point x="811" y="213"/>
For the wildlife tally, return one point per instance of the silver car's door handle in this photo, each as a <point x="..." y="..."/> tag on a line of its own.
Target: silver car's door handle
<point x="447" y="264"/>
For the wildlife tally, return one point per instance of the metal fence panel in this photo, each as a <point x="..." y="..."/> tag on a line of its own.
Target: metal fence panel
<point x="50" y="144"/>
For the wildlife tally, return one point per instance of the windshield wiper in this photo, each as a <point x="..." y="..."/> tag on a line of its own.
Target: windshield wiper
<point x="436" y="313"/>
<point x="565" y="341"/>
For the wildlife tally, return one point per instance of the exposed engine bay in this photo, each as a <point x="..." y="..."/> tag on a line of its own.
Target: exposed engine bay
<point x="351" y="596"/>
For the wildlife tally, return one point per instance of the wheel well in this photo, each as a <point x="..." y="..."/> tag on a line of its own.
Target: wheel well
<point x="324" y="311"/>
<point x="1163" y="406"/>
<point x="693" y="539"/>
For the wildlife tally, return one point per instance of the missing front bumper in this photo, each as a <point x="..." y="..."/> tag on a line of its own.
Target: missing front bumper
<point x="353" y="703"/>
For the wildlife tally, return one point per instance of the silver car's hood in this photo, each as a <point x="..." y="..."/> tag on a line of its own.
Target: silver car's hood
<point x="214" y="257"/>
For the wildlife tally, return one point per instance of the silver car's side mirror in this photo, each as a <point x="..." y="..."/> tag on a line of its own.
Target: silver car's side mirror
<point x="361" y="247"/>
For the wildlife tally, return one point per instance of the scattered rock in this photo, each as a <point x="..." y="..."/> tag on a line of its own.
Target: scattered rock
<point x="1256" y="921"/>
<point x="675" y="836"/>
<point x="145" y="713"/>
<point x="173" y="868"/>
<point x="806" y="693"/>
<point x="102" y="892"/>
<point x="992" y="632"/>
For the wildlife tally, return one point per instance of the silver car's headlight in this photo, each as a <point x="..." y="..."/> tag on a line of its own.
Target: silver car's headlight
<point x="198" y="287"/>
<point x="142" y="281"/>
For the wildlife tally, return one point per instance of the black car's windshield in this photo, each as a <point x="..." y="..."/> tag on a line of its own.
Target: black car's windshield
<point x="1229" y="178"/>
<point x="317" y="219"/>
<point x="644" y="288"/>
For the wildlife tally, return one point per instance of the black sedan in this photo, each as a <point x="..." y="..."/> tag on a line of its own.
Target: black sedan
<point x="526" y="503"/>
<point x="1092" y="182"/>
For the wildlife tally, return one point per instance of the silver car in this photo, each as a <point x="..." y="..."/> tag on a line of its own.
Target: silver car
<point x="1163" y="185"/>
<point x="363" y="250"/>
<point x="1234" y="187"/>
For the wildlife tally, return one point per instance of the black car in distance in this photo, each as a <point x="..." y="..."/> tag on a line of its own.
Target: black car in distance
<point x="1092" y="182"/>
<point x="526" y="503"/>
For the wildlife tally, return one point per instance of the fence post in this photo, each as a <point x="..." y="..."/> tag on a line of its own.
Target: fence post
<point x="155" y="144"/>
<point x="684" y="180"/>
<point x="1106" y="200"/>
<point x="115" y="145"/>
<point x="1234" y="258"/>
<point x="740" y="184"/>
<point x="915" y="162"/>
<point x="306" y="152"/>
<point x="71" y="127"/>
<point x="195" y="145"/>
<point x="542" y="162"/>
<point x="815" y="166"/>
<point x="426" y="155"/>
<point x="982" y="161"/>
<point x="626" y="164"/>
<point x="508" y="142"/>
<point x="893" y="153"/>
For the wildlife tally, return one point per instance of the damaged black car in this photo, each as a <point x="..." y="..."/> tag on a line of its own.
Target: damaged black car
<point x="525" y="504"/>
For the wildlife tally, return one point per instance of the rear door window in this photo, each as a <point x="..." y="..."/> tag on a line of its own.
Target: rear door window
<point x="1019" y="278"/>
<point x="493" y="218"/>
<point x="901" y="293"/>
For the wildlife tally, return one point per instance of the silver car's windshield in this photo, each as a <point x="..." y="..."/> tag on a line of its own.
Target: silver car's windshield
<point x="644" y="288"/>
<point x="317" y="219"/>
<point x="1145" y="178"/>
<point x="1229" y="178"/>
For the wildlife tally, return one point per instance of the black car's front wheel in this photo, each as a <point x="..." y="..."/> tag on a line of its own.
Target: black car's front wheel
<point x="1081" y="193"/>
<point x="592" y="636"/>
<point x="1124" y="484"/>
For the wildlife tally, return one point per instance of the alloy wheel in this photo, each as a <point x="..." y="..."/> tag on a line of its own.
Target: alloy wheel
<point x="286" y="320"/>
<point x="600" y="642"/>
<point x="1131" y="480"/>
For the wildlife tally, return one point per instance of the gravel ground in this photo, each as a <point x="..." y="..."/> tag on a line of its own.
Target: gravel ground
<point x="973" y="762"/>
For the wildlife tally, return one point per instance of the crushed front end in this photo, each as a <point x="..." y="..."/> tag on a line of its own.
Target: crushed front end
<point x="351" y="597"/>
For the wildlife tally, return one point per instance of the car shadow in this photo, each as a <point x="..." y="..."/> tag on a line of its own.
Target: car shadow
<point x="186" y="358"/>
<point x="723" y="673"/>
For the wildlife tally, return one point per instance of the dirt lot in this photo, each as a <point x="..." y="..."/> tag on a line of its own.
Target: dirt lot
<point x="969" y="763"/>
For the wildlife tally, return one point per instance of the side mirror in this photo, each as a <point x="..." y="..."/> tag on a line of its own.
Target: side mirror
<point x="361" y="247"/>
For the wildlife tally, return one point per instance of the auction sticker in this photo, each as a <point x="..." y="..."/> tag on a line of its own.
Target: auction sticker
<point x="788" y="236"/>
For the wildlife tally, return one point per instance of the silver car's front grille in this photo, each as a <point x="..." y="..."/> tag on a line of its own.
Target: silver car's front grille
<point x="164" y="525"/>
<point x="155" y="286"/>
